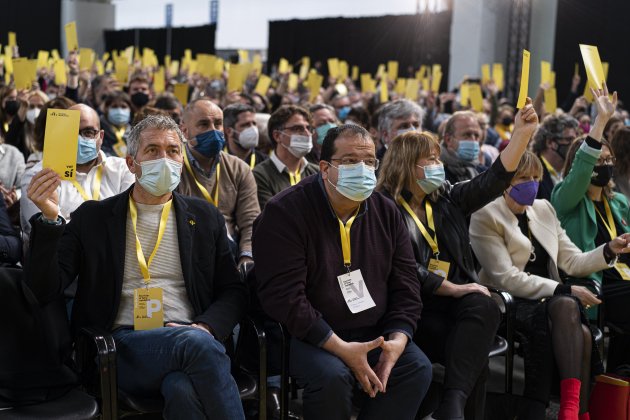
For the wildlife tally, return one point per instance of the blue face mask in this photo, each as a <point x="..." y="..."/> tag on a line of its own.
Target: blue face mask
<point x="210" y="143"/>
<point x="322" y="130"/>
<point x="119" y="116"/>
<point x="468" y="150"/>
<point x="355" y="182"/>
<point x="343" y="112"/>
<point x="86" y="151"/>
<point x="160" y="176"/>
<point x="433" y="178"/>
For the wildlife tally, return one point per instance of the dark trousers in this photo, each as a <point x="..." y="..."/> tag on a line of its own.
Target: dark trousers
<point x="617" y="315"/>
<point x="458" y="333"/>
<point x="329" y="384"/>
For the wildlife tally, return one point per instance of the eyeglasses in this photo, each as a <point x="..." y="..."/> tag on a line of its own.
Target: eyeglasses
<point x="610" y="160"/>
<point x="298" y="129"/>
<point x="372" y="163"/>
<point x="89" y="133"/>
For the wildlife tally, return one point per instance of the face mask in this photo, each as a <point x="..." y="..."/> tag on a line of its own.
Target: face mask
<point x="355" y="182"/>
<point x="11" y="107"/>
<point x="626" y="122"/>
<point x="299" y="146"/>
<point x="32" y="114"/>
<point x="506" y="120"/>
<point x="468" y="150"/>
<point x="139" y="99"/>
<point x="51" y="96"/>
<point x="210" y="143"/>
<point x="343" y="112"/>
<point x="160" y="176"/>
<point x="404" y="130"/>
<point x="562" y="150"/>
<point x="322" y="130"/>
<point x="86" y="151"/>
<point x="118" y="116"/>
<point x="433" y="178"/>
<point x="248" y="138"/>
<point x="525" y="192"/>
<point x="601" y="175"/>
<point x="585" y="127"/>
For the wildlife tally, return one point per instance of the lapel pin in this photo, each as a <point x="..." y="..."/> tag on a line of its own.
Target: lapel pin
<point x="192" y="222"/>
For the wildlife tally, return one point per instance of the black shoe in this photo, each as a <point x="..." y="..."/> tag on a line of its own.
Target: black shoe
<point x="273" y="405"/>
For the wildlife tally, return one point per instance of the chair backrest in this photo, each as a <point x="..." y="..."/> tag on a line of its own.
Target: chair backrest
<point x="35" y="344"/>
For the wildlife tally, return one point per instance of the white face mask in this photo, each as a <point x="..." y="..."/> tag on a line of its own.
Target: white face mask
<point x="160" y="176"/>
<point x="32" y="114"/>
<point x="248" y="138"/>
<point x="300" y="146"/>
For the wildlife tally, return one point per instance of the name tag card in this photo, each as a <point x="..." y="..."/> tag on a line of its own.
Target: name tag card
<point x="148" y="311"/>
<point x="623" y="270"/>
<point x="439" y="267"/>
<point x="355" y="292"/>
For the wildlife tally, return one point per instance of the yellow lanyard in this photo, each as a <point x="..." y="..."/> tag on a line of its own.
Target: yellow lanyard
<point x="203" y="189"/>
<point x="550" y="168"/>
<point x="610" y="226"/>
<point x="120" y="142"/>
<point x="344" y="231"/>
<point x="142" y="262"/>
<point x="294" y="178"/>
<point x="96" y="188"/>
<point x="429" y="210"/>
<point x="252" y="161"/>
<point x="6" y="127"/>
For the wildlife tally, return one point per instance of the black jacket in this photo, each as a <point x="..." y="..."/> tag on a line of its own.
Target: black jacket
<point x="546" y="184"/>
<point x="92" y="247"/>
<point x="455" y="203"/>
<point x="10" y="243"/>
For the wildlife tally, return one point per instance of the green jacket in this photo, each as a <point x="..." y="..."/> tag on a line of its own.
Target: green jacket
<point x="575" y="209"/>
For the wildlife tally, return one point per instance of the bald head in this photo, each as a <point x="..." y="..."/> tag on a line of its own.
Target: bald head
<point x="201" y="115"/>
<point x="89" y="124"/>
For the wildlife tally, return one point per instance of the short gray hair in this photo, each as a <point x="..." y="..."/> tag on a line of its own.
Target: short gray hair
<point x="157" y="122"/>
<point x="400" y="108"/>
<point x="551" y="128"/>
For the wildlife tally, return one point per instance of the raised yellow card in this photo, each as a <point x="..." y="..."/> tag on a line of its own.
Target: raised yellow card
<point x="392" y="70"/>
<point x="159" y="82"/>
<point x="605" y="68"/>
<point x="60" y="72"/>
<point x="476" y="97"/>
<point x="333" y="67"/>
<point x="498" y="76"/>
<point x="180" y="90"/>
<point x="464" y="94"/>
<point x="426" y="84"/>
<point x="436" y="79"/>
<point x="344" y="70"/>
<point x="380" y="71"/>
<point x="263" y="84"/>
<point x="314" y="84"/>
<point x="551" y="100"/>
<point x="384" y="94"/>
<point x="22" y="73"/>
<point x="12" y="39"/>
<point x="72" y="40"/>
<point x="42" y="59"/>
<point x="305" y="67"/>
<point x="552" y="78"/>
<point x="61" y="142"/>
<point x="122" y="69"/>
<point x="283" y="66"/>
<point x="292" y="83"/>
<point x="522" y="93"/>
<point x="257" y="64"/>
<point x="545" y="72"/>
<point x="411" y="90"/>
<point x="593" y="65"/>
<point x="243" y="56"/>
<point x="85" y="58"/>
<point x="485" y="73"/>
<point x="355" y="73"/>
<point x="401" y="85"/>
<point x="236" y="77"/>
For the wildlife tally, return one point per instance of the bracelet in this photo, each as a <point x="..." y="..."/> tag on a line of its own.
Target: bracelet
<point x="46" y="221"/>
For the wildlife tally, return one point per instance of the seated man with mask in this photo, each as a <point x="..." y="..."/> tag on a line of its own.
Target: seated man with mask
<point x="461" y="150"/>
<point x="334" y="264"/>
<point x="290" y="132"/>
<point x="98" y="176"/>
<point x="241" y="132"/>
<point x="160" y="277"/>
<point x="220" y="178"/>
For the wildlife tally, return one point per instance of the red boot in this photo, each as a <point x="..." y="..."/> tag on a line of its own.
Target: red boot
<point x="585" y="416"/>
<point x="569" y="399"/>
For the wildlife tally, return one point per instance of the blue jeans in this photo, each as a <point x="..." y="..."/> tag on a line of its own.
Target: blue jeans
<point x="187" y="366"/>
<point x="329" y="384"/>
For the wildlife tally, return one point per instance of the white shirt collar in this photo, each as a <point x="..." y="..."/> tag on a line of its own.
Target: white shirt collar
<point x="280" y="166"/>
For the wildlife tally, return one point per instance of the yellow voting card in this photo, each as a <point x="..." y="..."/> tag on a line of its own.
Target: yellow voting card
<point x="344" y="70"/>
<point x="366" y="82"/>
<point x="60" y="72"/>
<point x="85" y="58"/>
<point x="283" y="66"/>
<point x="485" y="73"/>
<point x="498" y="76"/>
<point x="42" y="59"/>
<point x="400" y="86"/>
<point x="314" y="84"/>
<point x="476" y="97"/>
<point x="304" y="67"/>
<point x="263" y="84"/>
<point x="545" y="72"/>
<point x="72" y="40"/>
<point x="12" y="39"/>
<point x="464" y="94"/>
<point x="522" y="93"/>
<point x="333" y="67"/>
<point x="61" y="142"/>
<point x="436" y="79"/>
<point x="22" y="73"/>
<point x="411" y="90"/>
<point x="384" y="96"/>
<point x="159" y="80"/>
<point x="355" y="73"/>
<point x="392" y="70"/>
<point x="551" y="100"/>
<point x="180" y="90"/>
<point x="593" y="65"/>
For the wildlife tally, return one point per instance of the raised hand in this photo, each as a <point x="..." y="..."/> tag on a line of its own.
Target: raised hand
<point x="526" y="120"/>
<point x="605" y="105"/>
<point x="42" y="191"/>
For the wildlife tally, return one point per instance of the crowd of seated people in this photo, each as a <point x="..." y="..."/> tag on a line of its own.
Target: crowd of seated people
<point x="376" y="232"/>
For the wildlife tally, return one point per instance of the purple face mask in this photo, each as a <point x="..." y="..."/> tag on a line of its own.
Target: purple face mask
<point x="524" y="193"/>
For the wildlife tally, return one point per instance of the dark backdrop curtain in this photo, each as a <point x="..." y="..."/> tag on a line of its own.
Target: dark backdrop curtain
<point x="603" y="23"/>
<point x="200" y="39"/>
<point x="36" y="24"/>
<point x="366" y="42"/>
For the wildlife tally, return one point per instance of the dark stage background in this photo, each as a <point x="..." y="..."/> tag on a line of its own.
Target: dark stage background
<point x="411" y="40"/>
<point x="36" y="25"/>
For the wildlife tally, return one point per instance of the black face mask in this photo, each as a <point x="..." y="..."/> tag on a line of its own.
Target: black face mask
<point x="562" y="150"/>
<point x="506" y="120"/>
<point x="139" y="99"/>
<point x="11" y="107"/>
<point x="601" y="175"/>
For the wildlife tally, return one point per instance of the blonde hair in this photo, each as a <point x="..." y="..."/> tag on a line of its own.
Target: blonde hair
<point x="529" y="164"/>
<point x="398" y="171"/>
